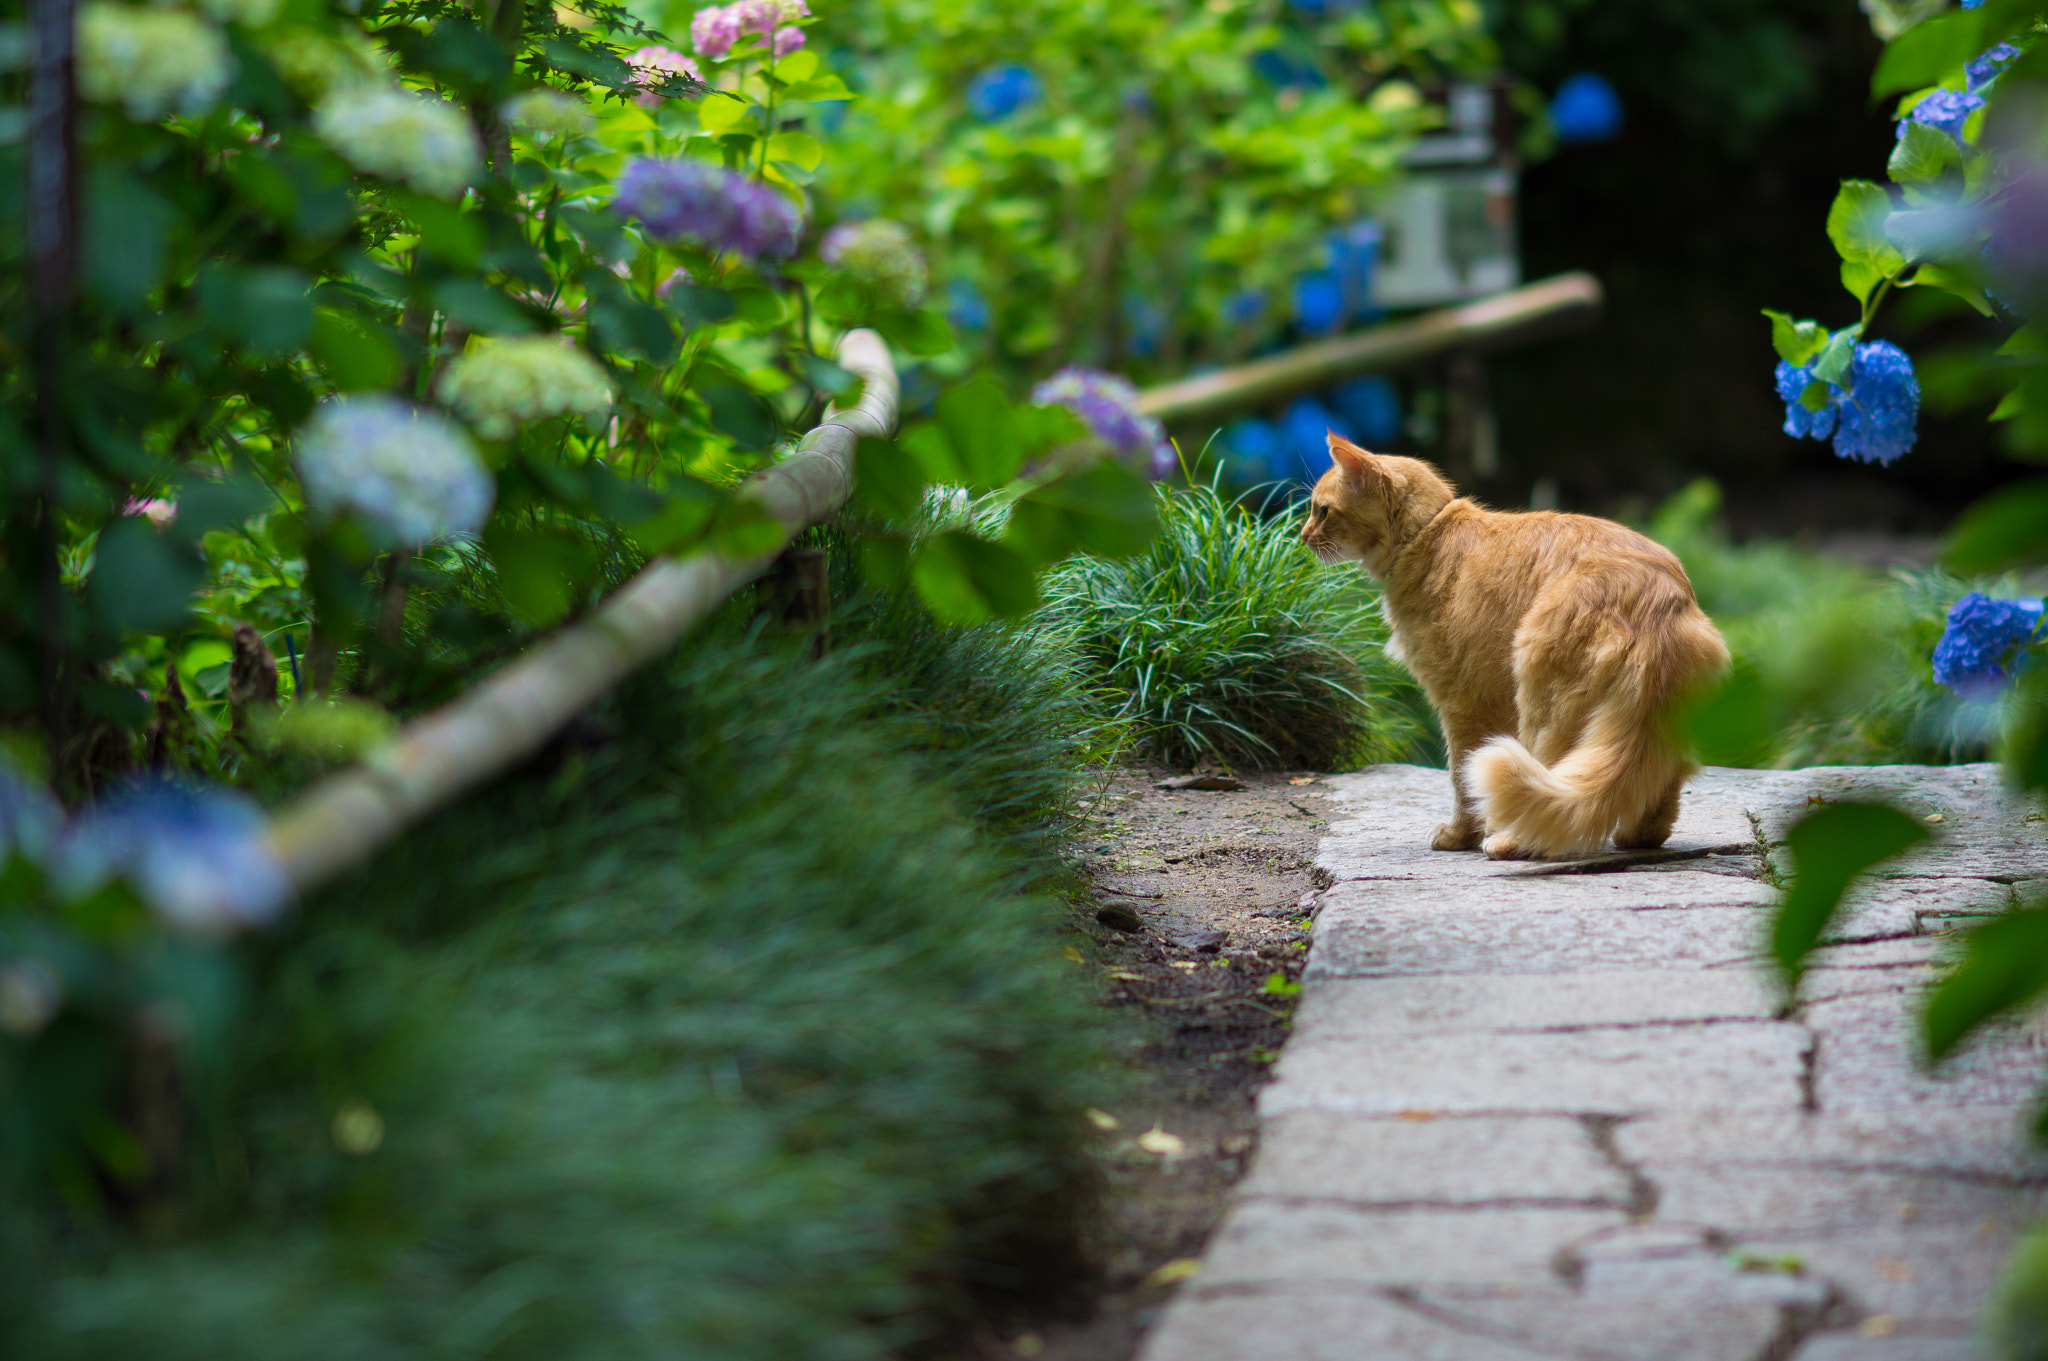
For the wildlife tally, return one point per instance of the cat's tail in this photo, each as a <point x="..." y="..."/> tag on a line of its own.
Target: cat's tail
<point x="1622" y="776"/>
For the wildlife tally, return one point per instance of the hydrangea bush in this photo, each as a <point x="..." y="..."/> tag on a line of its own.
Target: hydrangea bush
<point x="385" y="336"/>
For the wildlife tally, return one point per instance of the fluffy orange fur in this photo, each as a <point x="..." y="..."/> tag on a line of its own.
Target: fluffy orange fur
<point x="1554" y="648"/>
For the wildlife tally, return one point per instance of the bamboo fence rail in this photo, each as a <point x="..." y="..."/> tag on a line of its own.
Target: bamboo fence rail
<point x="1550" y="307"/>
<point x="345" y="817"/>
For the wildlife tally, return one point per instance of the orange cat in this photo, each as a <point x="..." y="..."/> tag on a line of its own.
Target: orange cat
<point x="1553" y="647"/>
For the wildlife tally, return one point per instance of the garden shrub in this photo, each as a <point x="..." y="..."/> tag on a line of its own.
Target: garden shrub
<point x="1227" y="640"/>
<point x="737" y="1032"/>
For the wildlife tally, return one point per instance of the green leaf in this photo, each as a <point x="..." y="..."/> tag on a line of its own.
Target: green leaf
<point x="1796" y="342"/>
<point x="541" y="572"/>
<point x="1830" y="849"/>
<point x="799" y="147"/>
<point x="981" y="434"/>
<point x="885" y="562"/>
<point x="1734" y="724"/>
<point x="967" y="580"/>
<point x="1856" y="226"/>
<point x="1952" y="281"/>
<point x="825" y="376"/>
<point x="602" y="67"/>
<point x="2006" y="528"/>
<point x="127" y="231"/>
<point x="888" y="479"/>
<point x="799" y="65"/>
<point x="743" y="528"/>
<point x="918" y="333"/>
<point x="2013" y="404"/>
<point x="1934" y="50"/>
<point x="208" y="503"/>
<point x="626" y="326"/>
<point x="700" y="306"/>
<point x="1923" y="155"/>
<point x="355" y="354"/>
<point x="481" y="307"/>
<point x="1106" y="509"/>
<point x="446" y="232"/>
<point x="738" y="412"/>
<point x="1814" y="396"/>
<point x="1859" y="277"/>
<point x="143" y="579"/>
<point x="720" y="112"/>
<point x="1833" y="364"/>
<point x="263" y="306"/>
<point x="681" y="521"/>
<point x="2005" y="966"/>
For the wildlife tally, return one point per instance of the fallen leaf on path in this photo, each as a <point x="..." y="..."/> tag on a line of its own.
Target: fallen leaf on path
<point x="1102" y="1119"/>
<point x="1157" y="1140"/>
<point x="1175" y="1271"/>
<point x="1306" y="779"/>
<point x="1219" y="782"/>
<point x="1414" y="1115"/>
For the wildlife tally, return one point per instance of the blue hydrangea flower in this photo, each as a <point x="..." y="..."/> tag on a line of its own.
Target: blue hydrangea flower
<point x="411" y="474"/>
<point x="1984" y="69"/>
<point x="1108" y="406"/>
<point x="1319" y="301"/>
<point x="1000" y="91"/>
<point x="1586" y="109"/>
<point x="1980" y="635"/>
<point x="1279" y="69"/>
<point x="966" y="308"/>
<point x="1245" y="306"/>
<point x="1800" y="422"/>
<point x="1253" y="445"/>
<point x="200" y="856"/>
<point x="1305" y="439"/>
<point x="1371" y="408"/>
<point x="1355" y="256"/>
<point x="1944" y="111"/>
<point x="719" y="207"/>
<point x="1878" y="414"/>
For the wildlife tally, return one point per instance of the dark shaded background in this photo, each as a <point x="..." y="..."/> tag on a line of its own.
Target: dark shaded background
<point x="1743" y="115"/>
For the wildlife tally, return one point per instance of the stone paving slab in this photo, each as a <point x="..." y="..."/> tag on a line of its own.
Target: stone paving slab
<point x="1565" y="1111"/>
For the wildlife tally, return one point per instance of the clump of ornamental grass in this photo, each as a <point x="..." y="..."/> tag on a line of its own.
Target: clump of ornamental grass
<point x="1228" y="641"/>
<point x="738" y="1035"/>
<point x="1843" y="654"/>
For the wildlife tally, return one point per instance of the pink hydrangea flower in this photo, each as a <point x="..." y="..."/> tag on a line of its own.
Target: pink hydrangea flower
<point x="650" y="64"/>
<point x="713" y="31"/>
<point x="155" y="509"/>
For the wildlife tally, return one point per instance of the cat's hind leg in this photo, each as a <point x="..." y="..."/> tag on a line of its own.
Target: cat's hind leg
<point x="1464" y="831"/>
<point x="1653" y="828"/>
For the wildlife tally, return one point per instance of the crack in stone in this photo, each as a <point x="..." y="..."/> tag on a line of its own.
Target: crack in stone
<point x="1596" y="1027"/>
<point x="1642" y="1192"/>
<point x="1799" y="1321"/>
<point x="1369" y="1207"/>
<point x="1762" y="848"/>
<point x="1809" y="1073"/>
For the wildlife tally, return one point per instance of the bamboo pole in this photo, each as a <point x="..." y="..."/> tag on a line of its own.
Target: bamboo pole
<point x="344" y="818"/>
<point x="1551" y="307"/>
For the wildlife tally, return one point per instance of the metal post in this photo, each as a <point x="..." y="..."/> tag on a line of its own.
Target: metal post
<point x="53" y="277"/>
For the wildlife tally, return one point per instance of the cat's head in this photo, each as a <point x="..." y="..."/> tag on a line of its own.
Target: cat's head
<point x="1368" y="505"/>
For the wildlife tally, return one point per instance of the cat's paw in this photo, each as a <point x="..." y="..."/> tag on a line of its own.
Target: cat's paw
<point x="1451" y="837"/>
<point x="1501" y="846"/>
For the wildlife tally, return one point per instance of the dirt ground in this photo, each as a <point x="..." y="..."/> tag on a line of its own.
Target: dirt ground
<point x="1198" y="922"/>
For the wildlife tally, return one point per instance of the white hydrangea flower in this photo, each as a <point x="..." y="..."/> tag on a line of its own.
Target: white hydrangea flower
<point x="400" y="134"/>
<point x="316" y="60"/>
<point x="152" y="62"/>
<point x="549" y="112"/>
<point x="248" y="13"/>
<point x="410" y="473"/>
<point x="501" y="384"/>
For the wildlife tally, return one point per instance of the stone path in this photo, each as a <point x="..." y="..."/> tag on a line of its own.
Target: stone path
<point x="1531" y="1113"/>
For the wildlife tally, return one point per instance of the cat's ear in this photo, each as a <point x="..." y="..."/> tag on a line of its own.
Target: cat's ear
<point x="1356" y="462"/>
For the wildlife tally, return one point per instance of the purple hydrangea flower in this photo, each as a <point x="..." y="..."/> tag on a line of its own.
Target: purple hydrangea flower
<point x="1944" y="111"/>
<point x="714" y="30"/>
<point x="1980" y="634"/>
<point x="1878" y="414"/>
<point x="200" y="856"/>
<point x="1108" y="405"/>
<point x="1984" y="69"/>
<point x="1800" y="421"/>
<point x="721" y="208"/>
